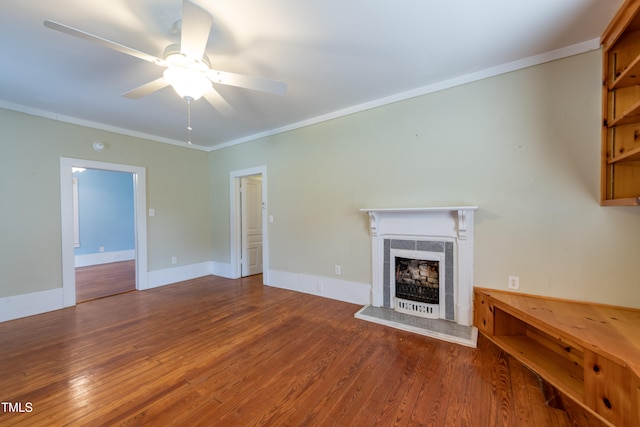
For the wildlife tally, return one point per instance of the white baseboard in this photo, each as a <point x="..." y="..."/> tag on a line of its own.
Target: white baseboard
<point x="104" y="258"/>
<point x="342" y="290"/>
<point x="168" y="276"/>
<point x="222" y="269"/>
<point x="17" y="306"/>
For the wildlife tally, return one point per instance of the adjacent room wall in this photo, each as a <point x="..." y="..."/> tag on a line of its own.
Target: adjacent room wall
<point x="30" y="252"/>
<point x="523" y="146"/>
<point x="106" y="212"/>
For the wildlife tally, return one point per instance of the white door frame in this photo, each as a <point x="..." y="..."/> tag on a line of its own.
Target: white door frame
<point x="235" y="214"/>
<point x="66" y="210"/>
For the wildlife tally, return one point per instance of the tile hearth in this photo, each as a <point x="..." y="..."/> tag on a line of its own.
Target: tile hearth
<point x="435" y="328"/>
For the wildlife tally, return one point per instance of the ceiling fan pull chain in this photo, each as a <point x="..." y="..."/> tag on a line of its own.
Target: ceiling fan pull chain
<point x="188" y="118"/>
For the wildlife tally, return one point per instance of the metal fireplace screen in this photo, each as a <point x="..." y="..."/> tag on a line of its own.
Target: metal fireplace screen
<point x="418" y="280"/>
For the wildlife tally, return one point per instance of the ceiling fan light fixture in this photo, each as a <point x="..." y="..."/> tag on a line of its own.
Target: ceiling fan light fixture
<point x="187" y="83"/>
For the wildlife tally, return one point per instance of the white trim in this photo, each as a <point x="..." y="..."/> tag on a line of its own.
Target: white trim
<point x="341" y="290"/>
<point x="66" y="208"/>
<point x="17" y="306"/>
<point x="234" y="221"/>
<point x="96" y="125"/>
<point x="553" y="55"/>
<point x="76" y="216"/>
<point x="104" y="258"/>
<point x="222" y="269"/>
<point x="542" y="58"/>
<point x="169" y="276"/>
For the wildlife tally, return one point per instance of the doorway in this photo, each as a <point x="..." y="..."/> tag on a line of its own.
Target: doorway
<point x="68" y="240"/>
<point x="251" y="225"/>
<point x="249" y="237"/>
<point x="104" y="233"/>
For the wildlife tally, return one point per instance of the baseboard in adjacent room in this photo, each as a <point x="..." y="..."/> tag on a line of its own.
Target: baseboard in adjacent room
<point x="104" y="258"/>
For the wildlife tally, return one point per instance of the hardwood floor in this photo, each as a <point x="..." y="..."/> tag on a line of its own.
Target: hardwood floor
<point x="98" y="281"/>
<point x="213" y="351"/>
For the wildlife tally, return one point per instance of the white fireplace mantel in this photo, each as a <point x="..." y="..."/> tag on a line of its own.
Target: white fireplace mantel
<point x="379" y="217"/>
<point x="448" y="223"/>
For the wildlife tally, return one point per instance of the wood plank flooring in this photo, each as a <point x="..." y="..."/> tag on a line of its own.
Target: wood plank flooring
<point x="219" y="352"/>
<point x="99" y="281"/>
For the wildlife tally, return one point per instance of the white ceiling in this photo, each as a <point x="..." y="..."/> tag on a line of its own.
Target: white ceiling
<point x="336" y="56"/>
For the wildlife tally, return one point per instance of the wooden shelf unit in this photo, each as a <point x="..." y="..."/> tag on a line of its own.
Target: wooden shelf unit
<point x="589" y="352"/>
<point x="620" y="166"/>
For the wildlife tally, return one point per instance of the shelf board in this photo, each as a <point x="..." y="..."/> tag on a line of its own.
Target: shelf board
<point x="628" y="201"/>
<point x="558" y="371"/>
<point x="629" y="77"/>
<point x="629" y="156"/>
<point x="632" y="115"/>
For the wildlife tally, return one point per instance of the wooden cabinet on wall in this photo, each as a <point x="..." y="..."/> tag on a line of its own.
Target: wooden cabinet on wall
<point x="621" y="108"/>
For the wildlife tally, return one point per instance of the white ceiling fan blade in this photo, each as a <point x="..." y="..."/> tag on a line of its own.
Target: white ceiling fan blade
<point x="196" y="25"/>
<point x="146" y="89"/>
<point x="101" y="41"/>
<point x="219" y="103"/>
<point x="248" y="82"/>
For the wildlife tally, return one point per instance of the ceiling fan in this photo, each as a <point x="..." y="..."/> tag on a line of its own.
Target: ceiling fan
<point x="187" y="67"/>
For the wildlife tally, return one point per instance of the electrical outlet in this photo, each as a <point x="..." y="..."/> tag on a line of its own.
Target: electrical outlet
<point x="514" y="282"/>
<point x="101" y="249"/>
<point x="174" y="260"/>
<point x="337" y="270"/>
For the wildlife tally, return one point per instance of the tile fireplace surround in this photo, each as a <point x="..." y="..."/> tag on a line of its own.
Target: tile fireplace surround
<point x="447" y="229"/>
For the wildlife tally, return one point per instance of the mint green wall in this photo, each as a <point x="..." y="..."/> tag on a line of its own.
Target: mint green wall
<point x="30" y="151"/>
<point x="524" y="146"/>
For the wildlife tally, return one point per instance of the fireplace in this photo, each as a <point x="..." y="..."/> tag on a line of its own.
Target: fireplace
<point x="414" y="283"/>
<point x="417" y="280"/>
<point x="422" y="261"/>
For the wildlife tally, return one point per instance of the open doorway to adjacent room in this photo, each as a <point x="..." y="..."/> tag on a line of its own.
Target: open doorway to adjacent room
<point x="249" y="243"/>
<point x="104" y="233"/>
<point x="251" y="225"/>
<point x="103" y="214"/>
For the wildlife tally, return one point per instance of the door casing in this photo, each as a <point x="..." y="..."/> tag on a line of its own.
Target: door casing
<point x="235" y="217"/>
<point x="67" y="223"/>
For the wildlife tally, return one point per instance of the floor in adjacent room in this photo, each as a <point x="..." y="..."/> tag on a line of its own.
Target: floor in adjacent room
<point x="99" y="281"/>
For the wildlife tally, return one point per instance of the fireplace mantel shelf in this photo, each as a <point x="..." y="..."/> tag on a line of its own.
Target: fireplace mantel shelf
<point x="423" y="209"/>
<point x="462" y="212"/>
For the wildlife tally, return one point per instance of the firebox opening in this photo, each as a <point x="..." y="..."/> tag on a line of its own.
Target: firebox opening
<point x="417" y="280"/>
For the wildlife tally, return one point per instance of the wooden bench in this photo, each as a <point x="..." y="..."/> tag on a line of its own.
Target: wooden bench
<point x="588" y="352"/>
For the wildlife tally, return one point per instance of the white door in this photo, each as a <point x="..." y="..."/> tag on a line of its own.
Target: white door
<point x="251" y="224"/>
